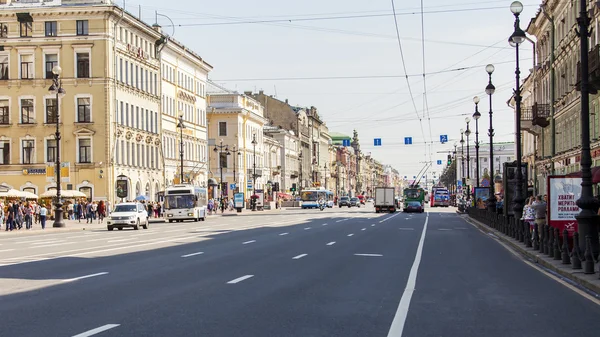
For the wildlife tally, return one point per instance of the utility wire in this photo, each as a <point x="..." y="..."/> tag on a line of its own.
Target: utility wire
<point x="425" y="102"/>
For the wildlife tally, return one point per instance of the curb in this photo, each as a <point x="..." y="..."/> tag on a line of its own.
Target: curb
<point x="589" y="281"/>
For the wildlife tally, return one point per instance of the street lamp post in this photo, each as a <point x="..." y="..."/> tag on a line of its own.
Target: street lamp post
<point x="587" y="220"/>
<point x="236" y="153"/>
<point x="220" y="150"/>
<point x="254" y="171"/>
<point x="57" y="89"/>
<point x="517" y="38"/>
<point x="476" y="117"/>
<point x="467" y="133"/>
<point x="462" y="157"/>
<point x="326" y="171"/>
<point x="300" y="171"/>
<point x="489" y="90"/>
<point x="181" y="126"/>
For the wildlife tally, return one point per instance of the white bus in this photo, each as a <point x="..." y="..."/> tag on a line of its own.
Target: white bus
<point x="185" y="202"/>
<point x="310" y="198"/>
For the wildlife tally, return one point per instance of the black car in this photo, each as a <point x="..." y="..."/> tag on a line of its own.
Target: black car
<point x="344" y="201"/>
<point x="414" y="206"/>
<point x="354" y="202"/>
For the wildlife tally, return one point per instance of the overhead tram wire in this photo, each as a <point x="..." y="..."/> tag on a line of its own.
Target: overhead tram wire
<point x="404" y="67"/>
<point x="425" y="102"/>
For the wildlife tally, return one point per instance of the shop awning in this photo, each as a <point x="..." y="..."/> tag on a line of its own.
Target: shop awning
<point x="595" y="175"/>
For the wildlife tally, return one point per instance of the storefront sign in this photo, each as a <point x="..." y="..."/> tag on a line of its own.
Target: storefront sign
<point x="137" y="52"/>
<point x="32" y="171"/>
<point x="563" y="193"/>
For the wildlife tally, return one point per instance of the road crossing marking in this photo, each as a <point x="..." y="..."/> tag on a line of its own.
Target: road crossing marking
<point x="84" y="277"/>
<point x="369" y="255"/>
<point x="192" y="254"/>
<point x="282" y="234"/>
<point x="324" y="224"/>
<point x="307" y="228"/>
<point x="331" y="243"/>
<point x="97" y="330"/>
<point x="350" y="234"/>
<point x="386" y="219"/>
<point x="247" y="242"/>
<point x="364" y="229"/>
<point x="240" y="279"/>
<point x="299" y="256"/>
<point x="372" y="225"/>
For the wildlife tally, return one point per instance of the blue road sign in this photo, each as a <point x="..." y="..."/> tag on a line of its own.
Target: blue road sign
<point x="439" y="162"/>
<point x="443" y="139"/>
<point x="345" y="142"/>
<point x="407" y="140"/>
<point x="414" y="177"/>
<point x="377" y="142"/>
<point x="232" y="186"/>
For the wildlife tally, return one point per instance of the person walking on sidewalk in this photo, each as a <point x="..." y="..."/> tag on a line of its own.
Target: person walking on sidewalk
<point x="89" y="213"/>
<point x="10" y="217"/>
<point x="18" y="214"/>
<point x="2" y="216"/>
<point x="43" y="214"/>
<point x="28" y="216"/>
<point x="540" y="211"/>
<point x="101" y="211"/>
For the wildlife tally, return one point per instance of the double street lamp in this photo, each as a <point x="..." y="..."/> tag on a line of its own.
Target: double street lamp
<point x="222" y="150"/>
<point x="489" y="90"/>
<point x="254" y="142"/>
<point x="467" y="133"/>
<point x="462" y="157"/>
<point x="476" y="116"/>
<point x="57" y="89"/>
<point x="236" y="153"/>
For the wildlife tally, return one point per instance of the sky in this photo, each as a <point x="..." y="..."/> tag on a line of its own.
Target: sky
<point x="344" y="57"/>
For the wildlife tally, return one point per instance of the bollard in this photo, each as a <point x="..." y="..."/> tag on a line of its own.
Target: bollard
<point x="526" y="228"/>
<point x="521" y="227"/>
<point x="566" y="259"/>
<point x="587" y="256"/>
<point x="556" y="248"/>
<point x="544" y="242"/>
<point x="536" y="239"/>
<point x="576" y="253"/>
<point x="550" y="247"/>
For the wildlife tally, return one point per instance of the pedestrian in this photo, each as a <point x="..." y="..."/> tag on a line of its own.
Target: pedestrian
<point x="89" y="213"/>
<point x="79" y="210"/>
<point x="10" y="217"/>
<point x="43" y="214"/>
<point x="210" y="206"/>
<point x="27" y="210"/>
<point x="1" y="214"/>
<point x="155" y="209"/>
<point x="70" y="212"/>
<point x="19" y="215"/>
<point x="149" y="209"/>
<point x="101" y="211"/>
<point x="540" y="211"/>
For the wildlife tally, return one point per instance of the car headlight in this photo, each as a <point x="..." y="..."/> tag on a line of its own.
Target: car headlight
<point x="169" y="215"/>
<point x="131" y="217"/>
<point x="190" y="214"/>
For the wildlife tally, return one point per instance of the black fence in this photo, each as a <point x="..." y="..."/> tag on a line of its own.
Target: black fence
<point x="545" y="239"/>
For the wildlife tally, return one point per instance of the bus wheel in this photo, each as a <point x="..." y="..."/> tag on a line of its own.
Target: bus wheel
<point x="170" y="221"/>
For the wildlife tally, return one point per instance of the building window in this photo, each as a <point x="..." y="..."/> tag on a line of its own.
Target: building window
<point x="51" y="115"/>
<point x="51" y="62"/>
<point x="50" y="28"/>
<point x="83" y="65"/>
<point x="121" y="69"/>
<point x="3" y="30"/>
<point x="27" y="112"/>
<point x="223" y="160"/>
<point x="126" y="72"/>
<point x="25" y="29"/>
<point x="50" y="150"/>
<point x="87" y="191"/>
<point x="84" y="113"/>
<point x="26" y="67"/>
<point x="82" y="27"/>
<point x="4" y="112"/>
<point x="3" y="67"/>
<point x="4" y="152"/>
<point x="85" y="151"/>
<point x="28" y="151"/>
<point x="222" y="128"/>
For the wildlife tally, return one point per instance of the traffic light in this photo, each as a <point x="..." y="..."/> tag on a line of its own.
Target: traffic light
<point x="293" y="189"/>
<point x="276" y="187"/>
<point x="449" y="160"/>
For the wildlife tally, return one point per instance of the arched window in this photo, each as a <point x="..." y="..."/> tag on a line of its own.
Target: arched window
<point x="29" y="189"/>
<point x="137" y="189"/>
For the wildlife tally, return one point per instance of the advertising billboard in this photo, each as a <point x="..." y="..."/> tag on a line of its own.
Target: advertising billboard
<point x="563" y="193"/>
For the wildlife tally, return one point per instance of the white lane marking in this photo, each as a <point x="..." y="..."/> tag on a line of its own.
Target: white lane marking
<point x="406" y="229"/>
<point x="331" y="243"/>
<point x="299" y="256"/>
<point x="369" y="255"/>
<point x="350" y="234"/>
<point x="307" y="228"/>
<point x="373" y="225"/>
<point x="444" y="229"/>
<point x="119" y="240"/>
<point x="192" y="254"/>
<point x="84" y="277"/>
<point x="386" y="219"/>
<point x="54" y="244"/>
<point x="247" y="242"/>
<point x="6" y="250"/>
<point x="240" y="279"/>
<point x="97" y="330"/>
<point x="282" y="234"/>
<point x="460" y="228"/>
<point x="364" y="229"/>
<point x="324" y="224"/>
<point x="400" y="317"/>
<point x="342" y="220"/>
<point x="45" y="242"/>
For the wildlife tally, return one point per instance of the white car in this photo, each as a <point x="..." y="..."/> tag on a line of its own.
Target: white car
<point x="129" y="214"/>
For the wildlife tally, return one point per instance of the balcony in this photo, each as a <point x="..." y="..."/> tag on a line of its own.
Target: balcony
<point x="594" y="71"/>
<point x="527" y="119"/>
<point x="540" y="114"/>
<point x="294" y="174"/>
<point x="258" y="172"/>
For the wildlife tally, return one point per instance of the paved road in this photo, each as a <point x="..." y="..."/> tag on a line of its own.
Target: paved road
<point x="339" y="272"/>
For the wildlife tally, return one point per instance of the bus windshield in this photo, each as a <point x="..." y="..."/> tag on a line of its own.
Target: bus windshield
<point x="309" y="196"/>
<point x="180" y="201"/>
<point x="412" y="193"/>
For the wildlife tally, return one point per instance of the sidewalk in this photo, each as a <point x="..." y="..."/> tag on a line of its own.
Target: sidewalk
<point x="588" y="281"/>
<point x="70" y="226"/>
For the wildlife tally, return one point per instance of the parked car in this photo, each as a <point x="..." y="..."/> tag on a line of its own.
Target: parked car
<point x="354" y="202"/>
<point x="414" y="206"/>
<point x="344" y="201"/>
<point x="129" y="214"/>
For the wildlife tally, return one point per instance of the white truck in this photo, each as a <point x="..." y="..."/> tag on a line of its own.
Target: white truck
<point x="385" y="200"/>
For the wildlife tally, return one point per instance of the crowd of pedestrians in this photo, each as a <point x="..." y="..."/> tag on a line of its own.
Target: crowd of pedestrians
<point x="16" y="214"/>
<point x="89" y="211"/>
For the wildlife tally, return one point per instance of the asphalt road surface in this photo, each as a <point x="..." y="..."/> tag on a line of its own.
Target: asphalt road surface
<point x="338" y="272"/>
